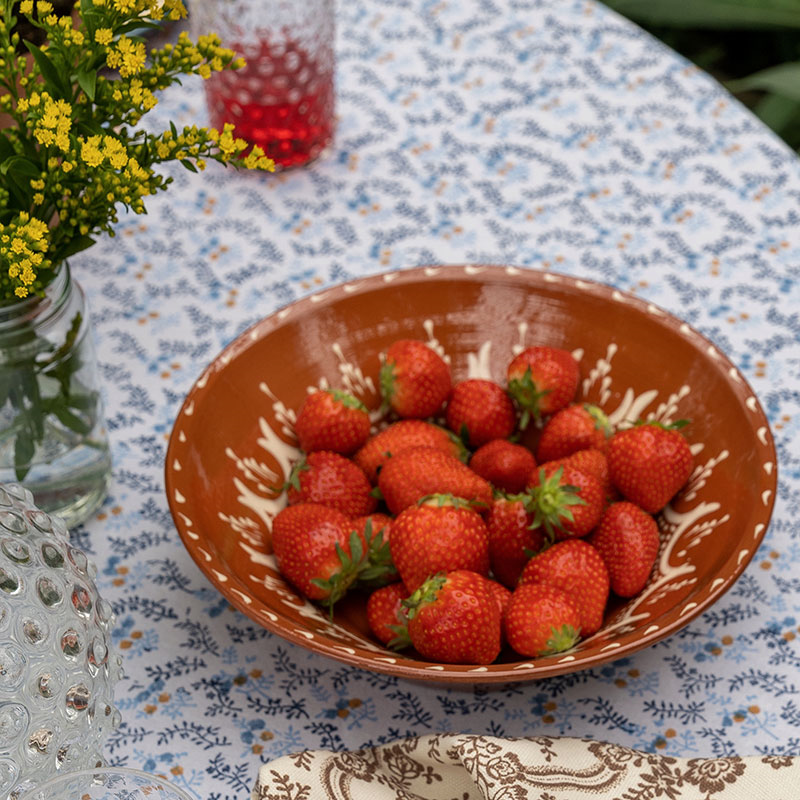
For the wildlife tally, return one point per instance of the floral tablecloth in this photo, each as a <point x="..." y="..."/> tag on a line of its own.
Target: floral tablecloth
<point x="549" y="134"/>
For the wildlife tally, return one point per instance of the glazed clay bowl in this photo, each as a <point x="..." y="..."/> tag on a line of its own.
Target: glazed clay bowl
<point x="232" y="442"/>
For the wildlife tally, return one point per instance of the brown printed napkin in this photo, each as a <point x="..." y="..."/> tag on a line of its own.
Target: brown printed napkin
<point x="463" y="767"/>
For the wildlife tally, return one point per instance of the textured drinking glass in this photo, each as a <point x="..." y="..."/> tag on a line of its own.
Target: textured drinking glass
<point x="52" y="433"/>
<point x="283" y="99"/>
<point x="57" y="666"/>
<point x="111" y="783"/>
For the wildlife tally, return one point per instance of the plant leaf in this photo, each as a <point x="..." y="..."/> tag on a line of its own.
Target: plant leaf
<point x="87" y="80"/>
<point x="52" y="75"/>
<point x="75" y="245"/>
<point x="717" y="14"/>
<point x="779" y="113"/>
<point x="782" y="79"/>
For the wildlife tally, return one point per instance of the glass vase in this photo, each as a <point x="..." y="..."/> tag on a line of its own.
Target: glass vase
<point x="52" y="435"/>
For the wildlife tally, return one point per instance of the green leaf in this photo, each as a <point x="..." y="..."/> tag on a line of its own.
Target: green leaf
<point x="717" y="14"/>
<point x="779" y="113"/>
<point x="87" y="80"/>
<point x="72" y="246"/>
<point x="783" y="80"/>
<point x="72" y="421"/>
<point x="23" y="453"/>
<point x="55" y="79"/>
<point x="188" y="165"/>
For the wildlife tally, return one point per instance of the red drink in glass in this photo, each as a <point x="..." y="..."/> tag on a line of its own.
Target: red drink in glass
<point x="282" y="100"/>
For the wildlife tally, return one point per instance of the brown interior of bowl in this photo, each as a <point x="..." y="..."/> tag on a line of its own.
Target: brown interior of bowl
<point x="216" y="440"/>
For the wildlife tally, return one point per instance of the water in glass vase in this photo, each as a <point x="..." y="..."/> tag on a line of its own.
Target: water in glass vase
<point x="52" y="436"/>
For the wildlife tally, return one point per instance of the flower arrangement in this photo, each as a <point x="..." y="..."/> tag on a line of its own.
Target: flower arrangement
<point x="72" y="154"/>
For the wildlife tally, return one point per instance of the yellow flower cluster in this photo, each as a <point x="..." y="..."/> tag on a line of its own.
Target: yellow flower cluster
<point x="78" y="155"/>
<point x="23" y="244"/>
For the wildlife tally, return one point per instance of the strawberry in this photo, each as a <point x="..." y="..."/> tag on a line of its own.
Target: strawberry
<point x="331" y="480"/>
<point x="400" y="436"/>
<point x="419" y="471"/>
<point x="574" y="566"/>
<point x="442" y="533"/>
<point x="579" y="426"/>
<point x="332" y="420"/>
<point x="479" y="411"/>
<point x="542" y="380"/>
<point x="386" y="615"/>
<point x="316" y="550"/>
<point x="568" y="503"/>
<point x="500" y="593"/>
<point x="414" y="379"/>
<point x="627" y="539"/>
<point x="594" y="463"/>
<point x="512" y="537"/>
<point x="377" y="568"/>
<point x="378" y="524"/>
<point x="454" y="618"/>
<point x="507" y="466"/>
<point x="541" y="620"/>
<point x="649" y="463"/>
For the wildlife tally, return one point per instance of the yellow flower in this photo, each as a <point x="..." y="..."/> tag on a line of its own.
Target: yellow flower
<point x="103" y="35"/>
<point x="66" y="166"/>
<point x="44" y="7"/>
<point x="90" y="151"/>
<point x="26" y="6"/>
<point x="21" y="291"/>
<point x="204" y="71"/>
<point x="38" y="198"/>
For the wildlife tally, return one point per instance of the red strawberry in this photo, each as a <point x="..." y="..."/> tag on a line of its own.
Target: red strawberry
<point x="541" y="620"/>
<point x="419" y="471"/>
<point x="580" y="426"/>
<point x="649" y="463"/>
<point x="400" y="436"/>
<point x="454" y="618"/>
<point x="442" y="533"/>
<point x="594" y="463"/>
<point x="577" y="568"/>
<point x="316" y="550"/>
<point x="542" y="380"/>
<point x="479" y="411"/>
<point x="414" y="379"/>
<point x="500" y="593"/>
<point x="512" y="537"/>
<point x="386" y="615"/>
<point x="627" y="539"/>
<point x="332" y="420"/>
<point x="379" y="524"/>
<point x="331" y="480"/>
<point x="568" y="503"/>
<point x="505" y="465"/>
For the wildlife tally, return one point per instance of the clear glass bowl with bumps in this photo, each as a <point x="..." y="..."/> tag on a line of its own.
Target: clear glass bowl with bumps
<point x="57" y="665"/>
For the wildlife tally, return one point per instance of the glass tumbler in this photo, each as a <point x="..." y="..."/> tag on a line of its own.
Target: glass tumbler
<point x="283" y="99"/>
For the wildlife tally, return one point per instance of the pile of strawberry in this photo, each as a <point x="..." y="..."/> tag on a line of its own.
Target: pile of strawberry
<point x="462" y="539"/>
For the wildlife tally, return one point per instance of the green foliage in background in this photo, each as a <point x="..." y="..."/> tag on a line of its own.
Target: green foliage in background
<point x="751" y="46"/>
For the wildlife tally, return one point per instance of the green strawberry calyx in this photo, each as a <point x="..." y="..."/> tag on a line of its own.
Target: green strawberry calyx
<point x="294" y="476"/>
<point x="387" y="384"/>
<point x="336" y="586"/>
<point x="424" y="595"/>
<point x="401" y="639"/>
<point x="552" y="501"/>
<point x="443" y="499"/>
<point x="527" y="396"/>
<point x="561" y="639"/>
<point x="601" y="420"/>
<point x="376" y="568"/>
<point x="346" y="399"/>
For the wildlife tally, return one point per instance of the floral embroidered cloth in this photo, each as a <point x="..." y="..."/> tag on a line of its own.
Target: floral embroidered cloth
<point x="452" y="767"/>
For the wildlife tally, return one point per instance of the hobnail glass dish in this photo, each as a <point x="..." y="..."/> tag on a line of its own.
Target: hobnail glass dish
<point x="112" y="783"/>
<point x="57" y="665"/>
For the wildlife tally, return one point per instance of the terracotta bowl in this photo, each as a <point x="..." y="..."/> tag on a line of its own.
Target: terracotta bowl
<point x="232" y="441"/>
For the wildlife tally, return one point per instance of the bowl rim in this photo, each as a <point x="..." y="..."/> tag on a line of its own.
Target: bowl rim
<point x="525" y="669"/>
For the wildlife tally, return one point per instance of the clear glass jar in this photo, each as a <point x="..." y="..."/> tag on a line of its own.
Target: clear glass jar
<point x="53" y="439"/>
<point x="283" y="99"/>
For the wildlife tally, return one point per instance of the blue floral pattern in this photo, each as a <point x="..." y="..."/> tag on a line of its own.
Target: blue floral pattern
<point x="549" y="134"/>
